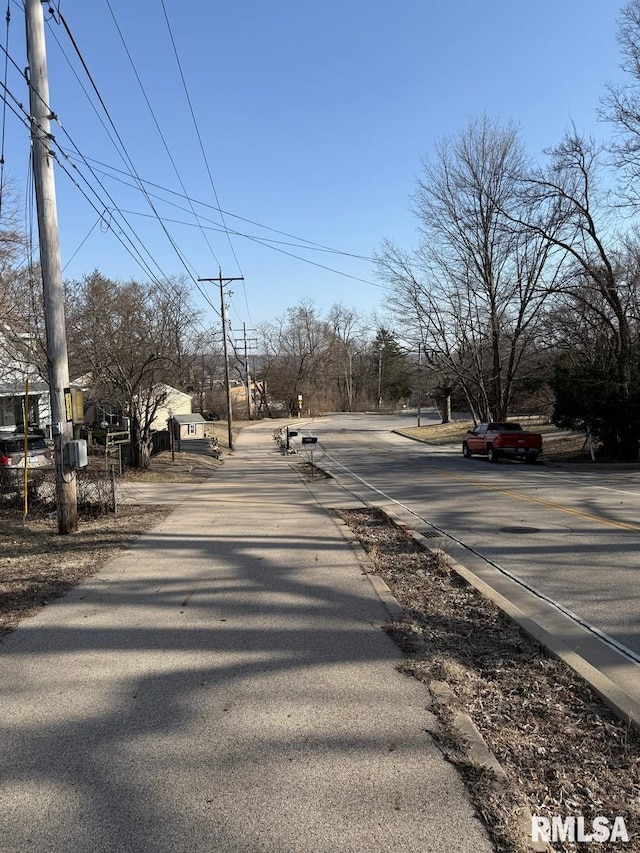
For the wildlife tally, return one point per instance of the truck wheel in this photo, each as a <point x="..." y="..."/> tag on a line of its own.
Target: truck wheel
<point x="465" y="450"/>
<point x="492" y="455"/>
<point x="531" y="458"/>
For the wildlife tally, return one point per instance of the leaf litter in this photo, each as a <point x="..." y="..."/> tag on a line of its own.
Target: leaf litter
<point x="563" y="751"/>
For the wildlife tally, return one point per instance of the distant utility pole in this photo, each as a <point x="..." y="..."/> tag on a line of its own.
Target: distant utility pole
<point x="57" y="361"/>
<point x="419" y="379"/>
<point x="247" y="377"/>
<point x="223" y="314"/>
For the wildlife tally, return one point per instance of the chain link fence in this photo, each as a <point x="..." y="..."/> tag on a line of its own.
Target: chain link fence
<point x="96" y="492"/>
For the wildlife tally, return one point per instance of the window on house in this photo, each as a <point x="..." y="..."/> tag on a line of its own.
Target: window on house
<point x="7" y="413"/>
<point x="191" y="429"/>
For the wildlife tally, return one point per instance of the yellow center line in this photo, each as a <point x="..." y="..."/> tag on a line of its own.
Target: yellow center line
<point x="528" y="499"/>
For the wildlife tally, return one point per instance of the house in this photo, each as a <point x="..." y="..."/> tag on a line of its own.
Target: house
<point x="21" y="382"/>
<point x="12" y="401"/>
<point x="187" y="427"/>
<point x="175" y="403"/>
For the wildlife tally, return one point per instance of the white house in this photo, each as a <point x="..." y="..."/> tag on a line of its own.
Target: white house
<point x="175" y="403"/>
<point x="15" y="372"/>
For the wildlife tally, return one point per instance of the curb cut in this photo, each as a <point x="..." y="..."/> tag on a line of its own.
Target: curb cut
<point x="477" y="752"/>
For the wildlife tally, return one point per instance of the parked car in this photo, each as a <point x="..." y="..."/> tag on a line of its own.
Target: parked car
<point x="39" y="454"/>
<point x="495" y="440"/>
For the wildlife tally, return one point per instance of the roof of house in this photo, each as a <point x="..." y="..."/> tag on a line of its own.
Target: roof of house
<point x="16" y="389"/>
<point x="171" y="391"/>
<point x="194" y="418"/>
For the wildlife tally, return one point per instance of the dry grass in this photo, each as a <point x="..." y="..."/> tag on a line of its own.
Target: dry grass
<point x="563" y="751"/>
<point x="37" y="564"/>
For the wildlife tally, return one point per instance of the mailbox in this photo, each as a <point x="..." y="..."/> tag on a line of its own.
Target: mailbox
<point x="309" y="439"/>
<point x="292" y="433"/>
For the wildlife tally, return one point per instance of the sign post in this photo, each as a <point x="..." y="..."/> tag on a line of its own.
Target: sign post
<point x="290" y="433"/>
<point x="310" y="441"/>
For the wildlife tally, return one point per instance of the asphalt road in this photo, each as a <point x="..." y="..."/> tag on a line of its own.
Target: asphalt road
<point x="571" y="535"/>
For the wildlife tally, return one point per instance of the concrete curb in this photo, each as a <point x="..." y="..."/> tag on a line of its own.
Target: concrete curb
<point x="390" y="602"/>
<point x="473" y="745"/>
<point x="624" y="706"/>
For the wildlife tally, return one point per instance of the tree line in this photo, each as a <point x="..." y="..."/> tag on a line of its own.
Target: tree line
<point x="525" y="279"/>
<point x="127" y="341"/>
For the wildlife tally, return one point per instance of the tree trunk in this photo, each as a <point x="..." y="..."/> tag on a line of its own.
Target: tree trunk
<point x="443" y="403"/>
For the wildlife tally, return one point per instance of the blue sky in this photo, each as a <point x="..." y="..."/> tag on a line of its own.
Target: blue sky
<point x="314" y="119"/>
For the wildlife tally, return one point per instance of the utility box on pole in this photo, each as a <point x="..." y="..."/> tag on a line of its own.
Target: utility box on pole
<point x="58" y="365"/>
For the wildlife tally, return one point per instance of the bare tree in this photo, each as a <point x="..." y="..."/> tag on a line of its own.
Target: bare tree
<point x="474" y="291"/>
<point x="621" y="107"/>
<point x="570" y="211"/>
<point x="22" y="334"/>
<point x="130" y="338"/>
<point x="325" y="359"/>
<point x="296" y="350"/>
<point x="348" y="343"/>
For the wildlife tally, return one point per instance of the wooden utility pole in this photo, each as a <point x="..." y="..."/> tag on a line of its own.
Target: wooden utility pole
<point x="419" y="379"/>
<point x="223" y="315"/>
<point x="247" y="376"/>
<point x="57" y="361"/>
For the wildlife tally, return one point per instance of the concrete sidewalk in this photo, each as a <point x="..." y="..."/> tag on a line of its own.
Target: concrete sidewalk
<point x="224" y="686"/>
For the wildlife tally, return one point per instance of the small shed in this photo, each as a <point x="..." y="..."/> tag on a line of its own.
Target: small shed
<point x="187" y="427"/>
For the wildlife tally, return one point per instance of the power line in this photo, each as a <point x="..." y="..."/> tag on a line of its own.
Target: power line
<point x="110" y="170"/>
<point x="155" y="120"/>
<point x="268" y="245"/>
<point x="204" y="156"/>
<point x="197" y="130"/>
<point x="4" y="106"/>
<point x="260" y="241"/>
<point x="121" y="236"/>
<point x="127" y="158"/>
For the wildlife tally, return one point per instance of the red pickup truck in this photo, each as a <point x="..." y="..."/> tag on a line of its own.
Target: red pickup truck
<point x="494" y="440"/>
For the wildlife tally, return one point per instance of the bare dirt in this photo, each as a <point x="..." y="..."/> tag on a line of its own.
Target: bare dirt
<point x="563" y="751"/>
